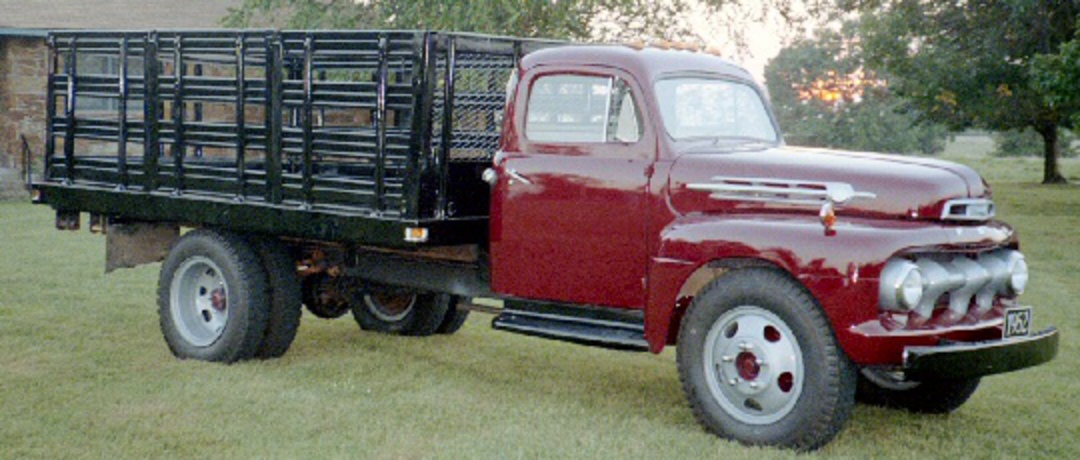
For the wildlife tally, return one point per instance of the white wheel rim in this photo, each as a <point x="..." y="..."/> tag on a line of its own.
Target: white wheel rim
<point x="199" y="301"/>
<point x="390" y="315"/>
<point x="753" y="365"/>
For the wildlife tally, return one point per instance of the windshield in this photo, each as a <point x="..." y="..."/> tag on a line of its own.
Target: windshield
<point x="722" y="110"/>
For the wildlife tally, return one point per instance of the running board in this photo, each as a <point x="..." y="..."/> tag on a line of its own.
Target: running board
<point x="605" y="333"/>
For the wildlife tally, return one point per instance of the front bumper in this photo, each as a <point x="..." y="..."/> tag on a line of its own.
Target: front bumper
<point x="976" y="359"/>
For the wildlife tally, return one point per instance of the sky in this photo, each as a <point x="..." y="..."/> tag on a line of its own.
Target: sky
<point x="764" y="43"/>
<point x="765" y="37"/>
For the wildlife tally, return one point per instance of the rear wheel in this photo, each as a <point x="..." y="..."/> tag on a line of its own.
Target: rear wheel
<point x="400" y="311"/>
<point x="285" y="297"/>
<point x="759" y="363"/>
<point x="322" y="296"/>
<point x="212" y="298"/>
<point x="881" y="387"/>
<point x="455" y="317"/>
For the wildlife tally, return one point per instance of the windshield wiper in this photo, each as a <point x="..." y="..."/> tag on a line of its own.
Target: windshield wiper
<point x="744" y="143"/>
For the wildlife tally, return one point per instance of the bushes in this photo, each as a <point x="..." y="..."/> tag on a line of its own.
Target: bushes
<point x="873" y="124"/>
<point x="1028" y="143"/>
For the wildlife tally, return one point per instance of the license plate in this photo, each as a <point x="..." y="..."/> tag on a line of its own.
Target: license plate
<point x="1017" y="322"/>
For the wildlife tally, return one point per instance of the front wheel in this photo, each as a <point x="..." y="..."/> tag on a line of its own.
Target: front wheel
<point x="881" y="387"/>
<point x="759" y="363"/>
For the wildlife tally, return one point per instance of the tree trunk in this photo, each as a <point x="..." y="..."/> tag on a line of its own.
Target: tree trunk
<point x="1051" y="173"/>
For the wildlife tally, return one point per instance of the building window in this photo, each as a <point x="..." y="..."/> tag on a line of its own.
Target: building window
<point x="105" y="68"/>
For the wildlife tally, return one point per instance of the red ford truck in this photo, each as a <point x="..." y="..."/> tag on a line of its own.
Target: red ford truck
<point x="615" y="196"/>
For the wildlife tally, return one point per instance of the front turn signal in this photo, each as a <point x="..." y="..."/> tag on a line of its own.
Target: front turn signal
<point x="828" y="215"/>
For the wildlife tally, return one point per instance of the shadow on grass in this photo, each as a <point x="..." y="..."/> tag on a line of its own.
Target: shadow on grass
<point x="500" y="364"/>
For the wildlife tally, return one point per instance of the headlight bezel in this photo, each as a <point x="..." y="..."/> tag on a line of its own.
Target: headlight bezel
<point x="1018" y="273"/>
<point x="902" y="286"/>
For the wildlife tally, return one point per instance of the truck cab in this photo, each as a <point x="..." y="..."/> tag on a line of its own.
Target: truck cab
<point x="656" y="182"/>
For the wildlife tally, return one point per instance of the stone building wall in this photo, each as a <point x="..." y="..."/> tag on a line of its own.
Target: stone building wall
<point x="22" y="98"/>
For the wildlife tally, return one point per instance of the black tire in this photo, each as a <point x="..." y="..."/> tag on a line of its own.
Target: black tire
<point x="881" y="388"/>
<point x="285" y="297"/>
<point x="325" y="308"/>
<point x="399" y="311"/>
<point x="213" y="298"/>
<point x="784" y="412"/>
<point x="455" y="317"/>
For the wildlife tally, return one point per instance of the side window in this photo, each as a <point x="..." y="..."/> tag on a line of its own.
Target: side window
<point x="624" y="124"/>
<point x="581" y="109"/>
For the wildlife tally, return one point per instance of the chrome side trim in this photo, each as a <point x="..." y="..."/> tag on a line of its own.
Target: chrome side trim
<point x="782" y="191"/>
<point x="971" y="209"/>
<point x="516" y="176"/>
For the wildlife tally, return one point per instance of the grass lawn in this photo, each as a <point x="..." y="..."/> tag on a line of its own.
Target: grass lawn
<point x="84" y="372"/>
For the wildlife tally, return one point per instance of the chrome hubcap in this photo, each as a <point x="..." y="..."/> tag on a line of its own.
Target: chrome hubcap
<point x="199" y="301"/>
<point x="389" y="307"/>
<point x="753" y="365"/>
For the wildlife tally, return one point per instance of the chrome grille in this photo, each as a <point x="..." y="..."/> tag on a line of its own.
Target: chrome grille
<point x="959" y="285"/>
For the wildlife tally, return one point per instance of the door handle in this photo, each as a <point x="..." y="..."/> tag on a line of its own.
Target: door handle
<point x="516" y="176"/>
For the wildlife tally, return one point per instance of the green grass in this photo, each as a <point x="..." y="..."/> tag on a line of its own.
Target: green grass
<point x="85" y="373"/>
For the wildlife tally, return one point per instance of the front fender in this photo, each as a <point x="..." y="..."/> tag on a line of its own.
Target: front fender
<point x="840" y="268"/>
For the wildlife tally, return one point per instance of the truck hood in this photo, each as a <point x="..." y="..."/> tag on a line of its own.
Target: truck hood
<point x="885" y="186"/>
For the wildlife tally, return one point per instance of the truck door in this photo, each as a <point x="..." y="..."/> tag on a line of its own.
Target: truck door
<point x="568" y="217"/>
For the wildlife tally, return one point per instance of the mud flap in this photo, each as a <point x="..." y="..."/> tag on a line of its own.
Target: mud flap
<point x="128" y="245"/>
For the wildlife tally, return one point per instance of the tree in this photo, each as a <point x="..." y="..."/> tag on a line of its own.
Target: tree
<point x="604" y="20"/>
<point x="970" y="63"/>
<point x="300" y="14"/>
<point x="1057" y="76"/>
<point x="825" y="96"/>
<point x="567" y="19"/>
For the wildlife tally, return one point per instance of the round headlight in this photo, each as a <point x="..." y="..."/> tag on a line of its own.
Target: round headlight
<point x="911" y="289"/>
<point x="901" y="286"/>
<point x="1018" y="275"/>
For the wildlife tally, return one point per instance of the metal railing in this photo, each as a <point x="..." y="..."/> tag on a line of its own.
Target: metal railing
<point x="27" y="162"/>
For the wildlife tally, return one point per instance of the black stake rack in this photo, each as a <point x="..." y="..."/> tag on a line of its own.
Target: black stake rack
<point x="331" y="135"/>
